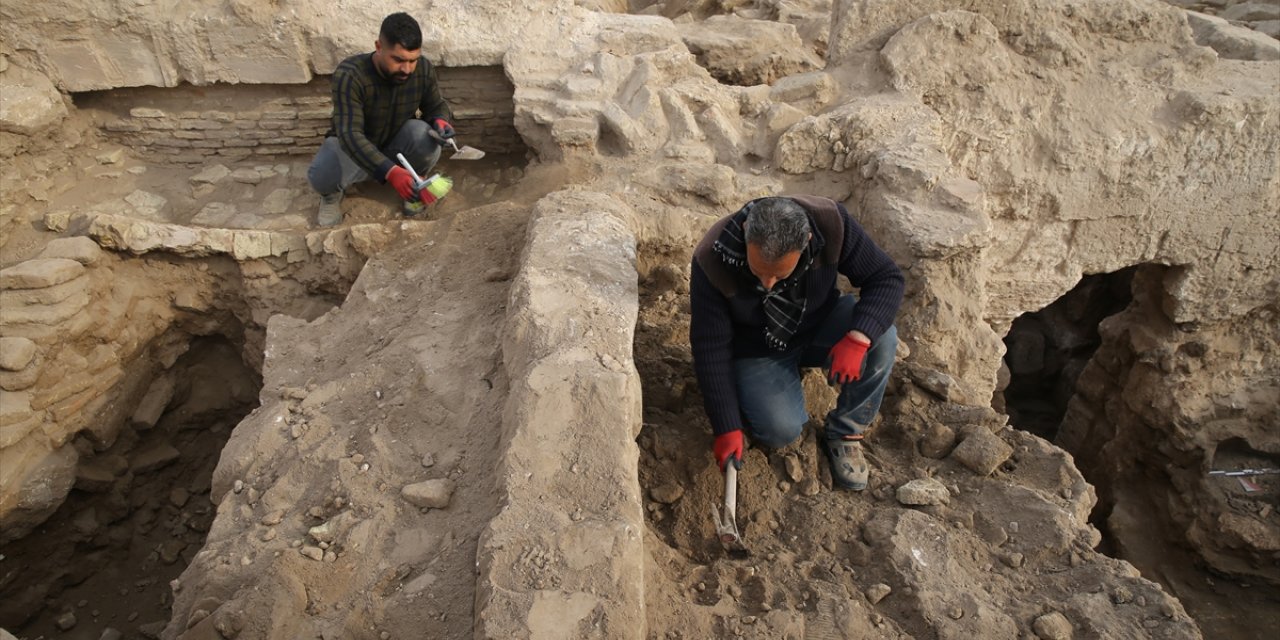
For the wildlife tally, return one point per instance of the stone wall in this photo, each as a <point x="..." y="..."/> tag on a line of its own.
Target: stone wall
<point x="196" y="125"/>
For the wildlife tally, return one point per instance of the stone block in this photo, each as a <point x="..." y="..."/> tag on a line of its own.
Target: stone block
<point x="81" y="249"/>
<point x="46" y="314"/>
<point x="923" y="492"/>
<point x="154" y="458"/>
<point x="16" y="353"/>
<point x="31" y="103"/>
<point x="982" y="451"/>
<point x="40" y="273"/>
<point x="146" y="112"/>
<point x="431" y="494"/>
<point x="812" y="89"/>
<point x="257" y="54"/>
<point x="1232" y="41"/>
<point x="34" y="480"/>
<point x="16" y="431"/>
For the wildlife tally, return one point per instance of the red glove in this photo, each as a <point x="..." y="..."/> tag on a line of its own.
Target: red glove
<point x="728" y="445"/>
<point x="846" y="360"/>
<point x="443" y="128"/>
<point x="403" y="181"/>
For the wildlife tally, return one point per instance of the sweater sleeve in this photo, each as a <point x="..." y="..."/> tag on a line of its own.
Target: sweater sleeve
<point x="433" y="104"/>
<point x="348" y="124"/>
<point x="711" y="340"/>
<point x="878" y="279"/>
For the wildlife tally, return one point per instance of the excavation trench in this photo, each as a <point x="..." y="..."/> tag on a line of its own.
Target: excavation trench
<point x="202" y="191"/>
<point x="1092" y="372"/>
<point x="140" y="508"/>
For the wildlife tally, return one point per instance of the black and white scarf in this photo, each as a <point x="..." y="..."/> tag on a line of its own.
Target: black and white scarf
<point x="784" y="304"/>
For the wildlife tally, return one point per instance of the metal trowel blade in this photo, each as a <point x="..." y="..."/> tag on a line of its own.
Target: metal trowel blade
<point x="465" y="152"/>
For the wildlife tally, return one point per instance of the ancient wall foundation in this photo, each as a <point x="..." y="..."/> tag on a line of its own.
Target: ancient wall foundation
<point x="195" y="125"/>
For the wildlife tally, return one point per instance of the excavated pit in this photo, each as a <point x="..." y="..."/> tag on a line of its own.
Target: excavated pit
<point x="140" y="508"/>
<point x="179" y="158"/>
<point x="1142" y="519"/>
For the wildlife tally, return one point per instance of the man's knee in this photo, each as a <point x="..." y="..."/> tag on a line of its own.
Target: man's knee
<point x="416" y="133"/>
<point x="776" y="432"/>
<point x="325" y="172"/>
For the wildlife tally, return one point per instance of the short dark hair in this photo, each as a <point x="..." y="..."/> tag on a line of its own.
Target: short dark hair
<point x="777" y="226"/>
<point x="401" y="29"/>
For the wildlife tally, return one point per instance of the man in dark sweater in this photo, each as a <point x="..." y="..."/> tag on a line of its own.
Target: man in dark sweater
<point x="764" y="304"/>
<point x="377" y="99"/>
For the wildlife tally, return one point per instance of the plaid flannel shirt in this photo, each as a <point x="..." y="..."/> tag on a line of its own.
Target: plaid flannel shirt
<point x="369" y="109"/>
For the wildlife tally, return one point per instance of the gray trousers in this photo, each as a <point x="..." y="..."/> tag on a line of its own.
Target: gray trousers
<point x="332" y="170"/>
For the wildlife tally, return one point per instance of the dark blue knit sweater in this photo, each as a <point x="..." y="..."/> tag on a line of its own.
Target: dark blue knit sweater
<point x="727" y="311"/>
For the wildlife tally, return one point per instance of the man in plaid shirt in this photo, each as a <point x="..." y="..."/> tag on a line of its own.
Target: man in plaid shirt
<point x="385" y="102"/>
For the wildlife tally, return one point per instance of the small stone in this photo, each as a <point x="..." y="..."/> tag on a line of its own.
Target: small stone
<point x="428" y="461"/>
<point x="179" y="496"/>
<point x="982" y="452"/>
<point x="238" y="486"/>
<point x="667" y="493"/>
<point x="702" y="586"/>
<point x="792" y="464"/>
<point x="66" y="621"/>
<point x="384" y="635"/>
<point x="432" y="494"/>
<point x="955" y="613"/>
<point x="1150" y="623"/>
<point x="1052" y="626"/>
<point x="153" y="629"/>
<point x="330" y="556"/>
<point x="16" y="353"/>
<point x="273" y="518"/>
<point x="923" y="491"/>
<point x="810" y="487"/>
<point x="245" y="561"/>
<point x="1121" y="595"/>
<point x="1014" y="560"/>
<point x="111" y="157"/>
<point x="877" y="592"/>
<point x="246" y="176"/>
<point x="315" y="553"/>
<point x="937" y="442"/>
<point x="110" y="634"/>
<point x="210" y="174"/>
<point x="269" y="535"/>
<point x="784" y="486"/>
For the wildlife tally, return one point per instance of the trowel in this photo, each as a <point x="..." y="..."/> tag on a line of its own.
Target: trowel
<point x="726" y="521"/>
<point x="463" y="153"/>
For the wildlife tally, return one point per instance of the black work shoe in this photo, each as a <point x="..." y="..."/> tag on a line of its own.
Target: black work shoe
<point x="848" y="466"/>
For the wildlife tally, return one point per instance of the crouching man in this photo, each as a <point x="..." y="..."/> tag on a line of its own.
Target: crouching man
<point x="764" y="304"/>
<point x="385" y="102"/>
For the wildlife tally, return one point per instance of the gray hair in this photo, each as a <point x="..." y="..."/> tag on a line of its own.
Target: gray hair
<point x="777" y="226"/>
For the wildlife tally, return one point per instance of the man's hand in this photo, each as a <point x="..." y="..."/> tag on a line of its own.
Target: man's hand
<point x="443" y="128"/>
<point x="846" y="359"/>
<point x="727" y="446"/>
<point x="403" y="181"/>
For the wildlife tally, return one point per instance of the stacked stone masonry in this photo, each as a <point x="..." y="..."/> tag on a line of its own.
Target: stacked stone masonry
<point x="196" y="125"/>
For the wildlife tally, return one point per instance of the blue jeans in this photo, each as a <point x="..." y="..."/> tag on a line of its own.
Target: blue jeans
<point x="332" y="170"/>
<point x="772" y="400"/>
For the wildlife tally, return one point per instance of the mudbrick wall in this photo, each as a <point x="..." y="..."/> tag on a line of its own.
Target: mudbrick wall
<point x="193" y="125"/>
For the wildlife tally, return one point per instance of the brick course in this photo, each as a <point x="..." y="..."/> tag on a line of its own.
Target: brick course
<point x="281" y="120"/>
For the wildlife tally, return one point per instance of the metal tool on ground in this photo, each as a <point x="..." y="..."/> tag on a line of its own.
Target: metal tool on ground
<point x="1243" y="472"/>
<point x="463" y="153"/>
<point x="437" y="185"/>
<point x="726" y="521"/>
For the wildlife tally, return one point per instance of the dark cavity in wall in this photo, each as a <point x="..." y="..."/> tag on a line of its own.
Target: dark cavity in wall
<point x="139" y="511"/>
<point x="1046" y="350"/>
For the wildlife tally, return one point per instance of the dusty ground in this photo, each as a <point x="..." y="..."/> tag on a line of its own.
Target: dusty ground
<point x="406" y="379"/>
<point x="402" y="384"/>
